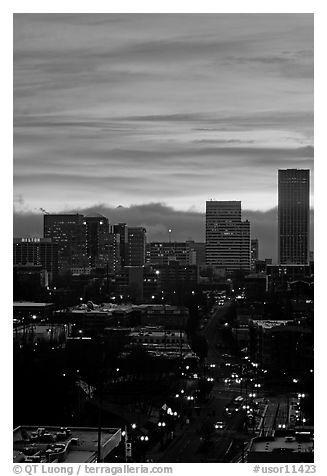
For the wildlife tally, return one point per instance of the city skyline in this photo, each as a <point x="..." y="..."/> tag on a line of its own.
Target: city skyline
<point x="177" y="111"/>
<point x="163" y="280"/>
<point x="158" y="219"/>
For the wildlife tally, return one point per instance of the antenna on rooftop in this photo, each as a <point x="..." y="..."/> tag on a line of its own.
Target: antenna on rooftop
<point x="44" y="211"/>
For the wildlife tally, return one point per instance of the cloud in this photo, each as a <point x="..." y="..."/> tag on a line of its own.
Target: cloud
<point x="169" y="108"/>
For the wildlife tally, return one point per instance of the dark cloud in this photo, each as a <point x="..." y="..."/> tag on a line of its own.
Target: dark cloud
<point x="158" y="218"/>
<point x="172" y="108"/>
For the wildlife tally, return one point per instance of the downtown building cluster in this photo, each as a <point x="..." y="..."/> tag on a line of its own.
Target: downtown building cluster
<point x="78" y="245"/>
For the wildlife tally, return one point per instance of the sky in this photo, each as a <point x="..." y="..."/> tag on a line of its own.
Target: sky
<point x="159" y="113"/>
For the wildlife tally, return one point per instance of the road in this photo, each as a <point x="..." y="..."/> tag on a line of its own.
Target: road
<point x="188" y="447"/>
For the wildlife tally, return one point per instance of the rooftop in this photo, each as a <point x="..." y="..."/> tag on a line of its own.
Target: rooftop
<point x="282" y="444"/>
<point x="32" y="304"/>
<point x="59" y="444"/>
<point x="270" y="324"/>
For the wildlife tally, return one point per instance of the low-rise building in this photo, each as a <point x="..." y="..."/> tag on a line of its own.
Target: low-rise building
<point x="161" y="342"/>
<point x="53" y="444"/>
<point x="32" y="310"/>
<point x="287" y="447"/>
<point x="171" y="317"/>
<point x="284" y="345"/>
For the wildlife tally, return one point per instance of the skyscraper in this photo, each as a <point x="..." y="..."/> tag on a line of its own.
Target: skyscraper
<point x="69" y="231"/>
<point x="293" y="216"/>
<point x="227" y="237"/>
<point x="254" y="252"/>
<point x="97" y="240"/>
<point x="121" y="230"/>
<point x="136" y="246"/>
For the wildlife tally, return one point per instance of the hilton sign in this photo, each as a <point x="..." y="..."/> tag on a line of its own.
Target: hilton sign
<point x="31" y="240"/>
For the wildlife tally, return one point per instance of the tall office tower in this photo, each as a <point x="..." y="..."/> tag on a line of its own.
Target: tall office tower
<point x="227" y="237"/>
<point x="121" y="229"/>
<point x="40" y="252"/>
<point x="245" y="245"/>
<point x="114" y="253"/>
<point x="136" y="246"/>
<point x="293" y="216"/>
<point x="97" y="240"/>
<point x="254" y="252"/>
<point x="70" y="234"/>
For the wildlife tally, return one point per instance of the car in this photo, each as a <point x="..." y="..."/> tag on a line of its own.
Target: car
<point x="219" y="425"/>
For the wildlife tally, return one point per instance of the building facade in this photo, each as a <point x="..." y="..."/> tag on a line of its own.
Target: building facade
<point x="121" y="229"/>
<point x="293" y="216"/>
<point x="227" y="237"/>
<point x="162" y="253"/>
<point x="97" y="240"/>
<point x="41" y="252"/>
<point x="254" y="252"/>
<point x="69" y="232"/>
<point x="136" y="246"/>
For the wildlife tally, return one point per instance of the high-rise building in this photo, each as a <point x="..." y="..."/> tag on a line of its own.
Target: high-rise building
<point x="293" y="216"/>
<point x="136" y="246"/>
<point x="97" y="240"/>
<point x="69" y="232"/>
<point x="254" y="252"/>
<point x="41" y="252"/>
<point x="245" y="245"/>
<point x="227" y="237"/>
<point x="121" y="229"/>
<point x="114" y="253"/>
